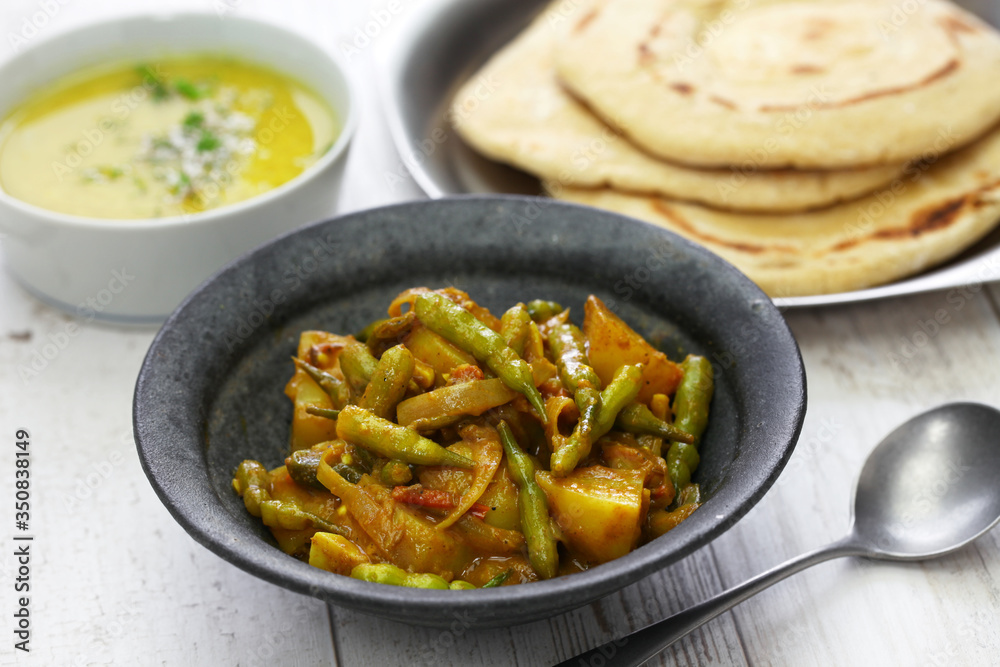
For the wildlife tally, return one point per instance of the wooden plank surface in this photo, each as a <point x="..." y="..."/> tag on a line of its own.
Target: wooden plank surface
<point x="117" y="581"/>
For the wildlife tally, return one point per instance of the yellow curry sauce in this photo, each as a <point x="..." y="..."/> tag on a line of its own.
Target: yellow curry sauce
<point x="170" y="137"/>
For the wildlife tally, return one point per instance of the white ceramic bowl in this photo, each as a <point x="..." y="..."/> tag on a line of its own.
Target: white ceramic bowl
<point x="139" y="270"/>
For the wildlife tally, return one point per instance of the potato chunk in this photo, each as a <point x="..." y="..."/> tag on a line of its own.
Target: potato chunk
<point x="335" y="553"/>
<point x="598" y="510"/>
<point x="613" y="344"/>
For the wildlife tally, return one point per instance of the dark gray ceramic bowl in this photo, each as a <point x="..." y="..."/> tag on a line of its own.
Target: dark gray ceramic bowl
<point x="209" y="393"/>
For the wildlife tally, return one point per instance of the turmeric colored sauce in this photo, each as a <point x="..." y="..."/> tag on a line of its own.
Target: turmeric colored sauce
<point x="161" y="138"/>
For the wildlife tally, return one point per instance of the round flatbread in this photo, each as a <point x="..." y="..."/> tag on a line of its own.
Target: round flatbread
<point x="530" y="122"/>
<point x="787" y="83"/>
<point x="928" y="215"/>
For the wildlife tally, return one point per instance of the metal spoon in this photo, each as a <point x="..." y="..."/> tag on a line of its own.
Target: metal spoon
<point x="929" y="488"/>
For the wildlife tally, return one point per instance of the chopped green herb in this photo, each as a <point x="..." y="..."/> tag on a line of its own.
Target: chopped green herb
<point x="157" y="86"/>
<point x="194" y="120"/>
<point x="499" y="579"/>
<point x="208" y="142"/>
<point x="182" y="186"/>
<point x="188" y="89"/>
<point x="111" y="173"/>
<point x="102" y="174"/>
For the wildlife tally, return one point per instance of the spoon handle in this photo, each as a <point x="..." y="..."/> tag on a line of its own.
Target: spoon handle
<point x="641" y="645"/>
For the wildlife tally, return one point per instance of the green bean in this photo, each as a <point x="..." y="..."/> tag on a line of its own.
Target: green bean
<point x="329" y="413"/>
<point x="515" y="327"/>
<point x="360" y="427"/>
<point x="499" y="579"/>
<point x="358" y="366"/>
<point x="540" y="310"/>
<point x="383" y="334"/>
<point x="621" y="391"/>
<point x="459" y="326"/>
<point x="637" y="418"/>
<point x="365" y="461"/>
<point x="349" y="472"/>
<point x="386" y="573"/>
<point x="690" y="495"/>
<point x="252" y="481"/>
<point x="534" y="507"/>
<point x="569" y="348"/>
<point x="682" y="460"/>
<point x="333" y="386"/>
<point x="388" y="382"/>
<point x="693" y="397"/>
<point x="302" y="465"/>
<point x="690" y="416"/>
<point x="570" y="351"/>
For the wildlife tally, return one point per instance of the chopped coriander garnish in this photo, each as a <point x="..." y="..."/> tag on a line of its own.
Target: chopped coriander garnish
<point x="182" y="186"/>
<point x="157" y="85"/>
<point x="194" y="120"/>
<point x="189" y="158"/>
<point x="208" y="142"/>
<point x="188" y="89"/>
<point x="103" y="174"/>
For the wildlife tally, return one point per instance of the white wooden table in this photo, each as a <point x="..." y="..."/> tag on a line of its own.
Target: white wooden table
<point x="114" y="580"/>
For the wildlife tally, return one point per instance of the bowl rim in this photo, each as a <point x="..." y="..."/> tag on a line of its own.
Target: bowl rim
<point x="336" y="151"/>
<point x="276" y="567"/>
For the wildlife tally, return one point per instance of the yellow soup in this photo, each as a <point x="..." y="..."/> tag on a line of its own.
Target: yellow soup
<point x="161" y="138"/>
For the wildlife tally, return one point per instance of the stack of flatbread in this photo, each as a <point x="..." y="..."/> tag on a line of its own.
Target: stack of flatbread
<point x="821" y="146"/>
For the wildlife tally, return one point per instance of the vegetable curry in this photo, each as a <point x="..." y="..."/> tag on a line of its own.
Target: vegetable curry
<point x="444" y="447"/>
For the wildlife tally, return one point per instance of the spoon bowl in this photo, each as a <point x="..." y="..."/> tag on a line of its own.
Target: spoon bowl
<point x="932" y="485"/>
<point x="929" y="488"/>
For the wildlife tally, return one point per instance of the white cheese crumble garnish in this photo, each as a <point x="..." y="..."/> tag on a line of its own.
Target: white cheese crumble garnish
<point x="198" y="157"/>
